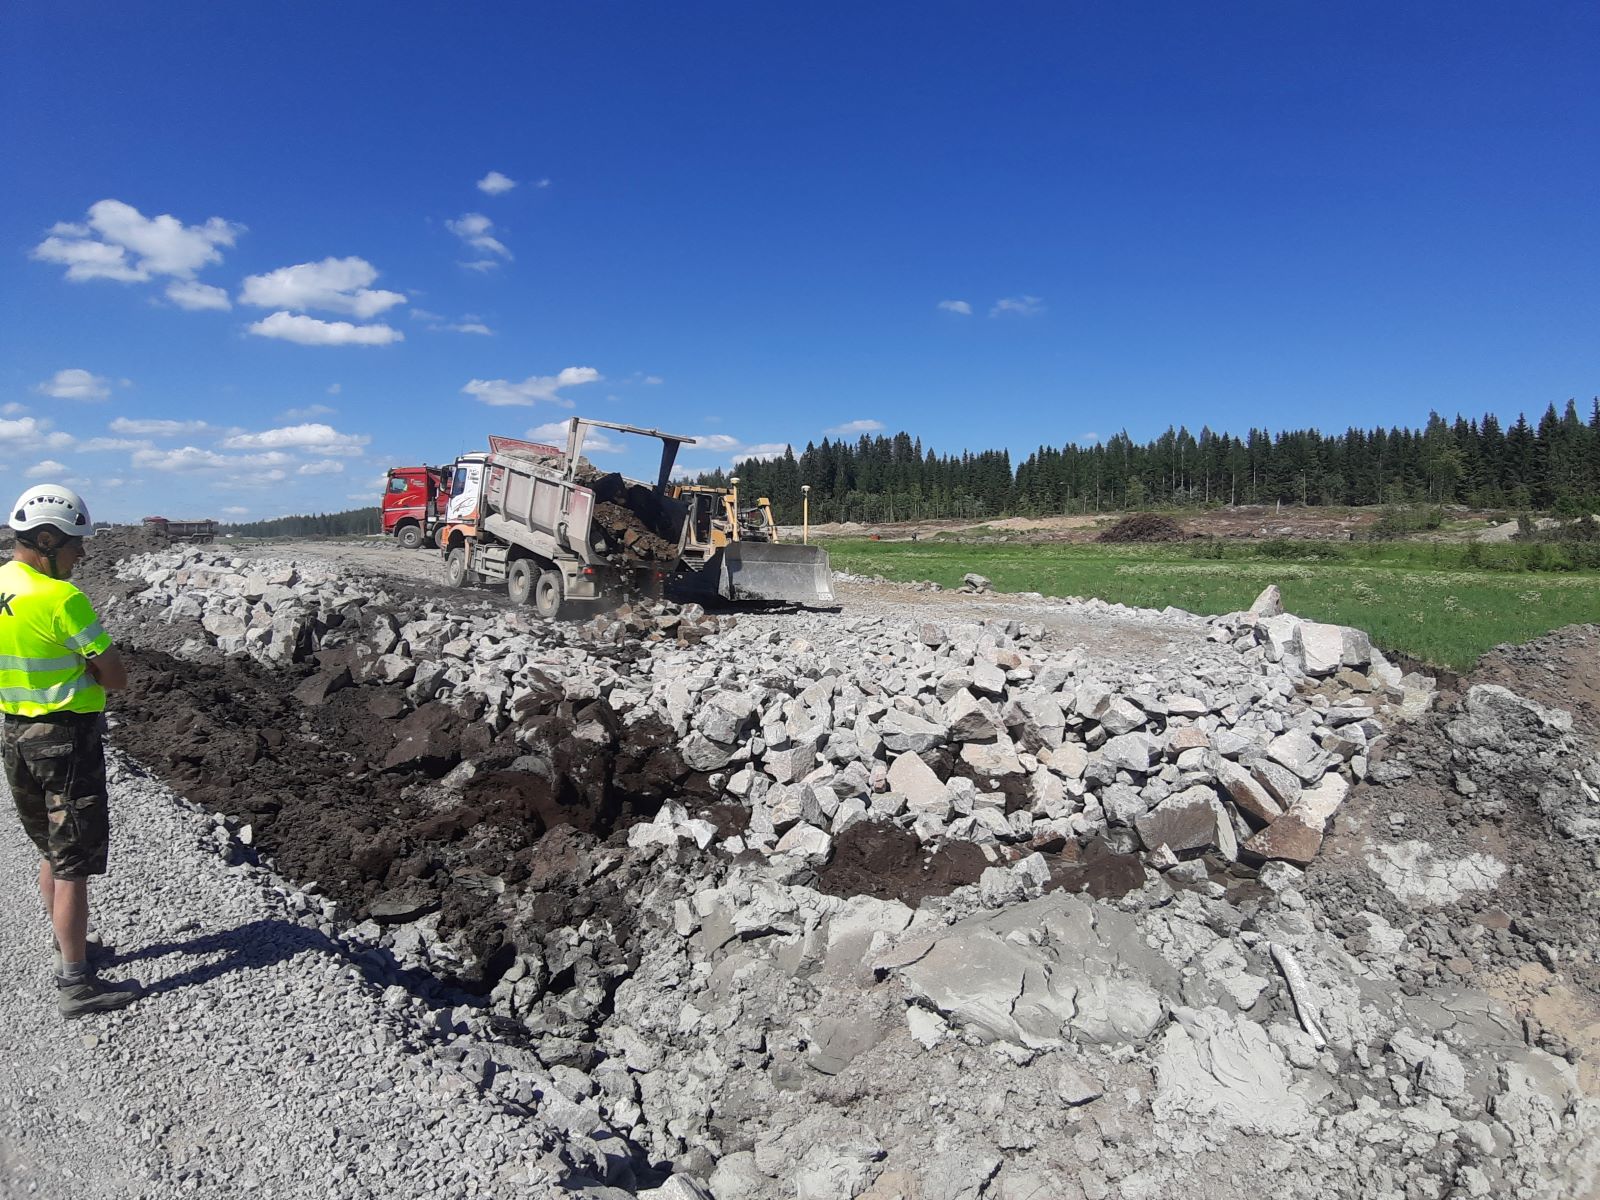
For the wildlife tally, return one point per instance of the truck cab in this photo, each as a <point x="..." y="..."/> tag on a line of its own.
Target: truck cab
<point x="413" y="500"/>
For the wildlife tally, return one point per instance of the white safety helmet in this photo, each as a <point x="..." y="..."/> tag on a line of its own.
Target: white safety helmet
<point x="53" y="505"/>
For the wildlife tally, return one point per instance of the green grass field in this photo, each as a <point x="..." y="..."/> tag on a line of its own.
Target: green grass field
<point x="1437" y="603"/>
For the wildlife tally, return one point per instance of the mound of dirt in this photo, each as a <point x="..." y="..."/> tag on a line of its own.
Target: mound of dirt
<point x="1145" y="527"/>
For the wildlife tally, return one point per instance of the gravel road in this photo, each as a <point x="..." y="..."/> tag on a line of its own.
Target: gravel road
<point x="1097" y="627"/>
<point x="264" y="1061"/>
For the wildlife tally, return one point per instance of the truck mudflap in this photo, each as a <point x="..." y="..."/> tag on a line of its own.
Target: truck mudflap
<point x="768" y="571"/>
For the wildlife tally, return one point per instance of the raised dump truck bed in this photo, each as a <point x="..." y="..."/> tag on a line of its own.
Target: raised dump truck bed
<point x="557" y="532"/>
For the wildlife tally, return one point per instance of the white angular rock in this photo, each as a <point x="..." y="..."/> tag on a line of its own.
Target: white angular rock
<point x="924" y="791"/>
<point x="992" y="759"/>
<point x="1121" y="716"/>
<point x="807" y="840"/>
<point x="1297" y="751"/>
<point x="970" y="719"/>
<point x="902" y="732"/>
<point x="1130" y="752"/>
<point x="1269" y="603"/>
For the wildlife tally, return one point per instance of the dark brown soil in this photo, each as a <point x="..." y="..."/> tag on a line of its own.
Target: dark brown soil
<point x="1145" y="527"/>
<point x="874" y="859"/>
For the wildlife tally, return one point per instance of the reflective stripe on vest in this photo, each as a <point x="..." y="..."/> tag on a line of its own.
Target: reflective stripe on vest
<point x="10" y="662"/>
<point x="53" y="694"/>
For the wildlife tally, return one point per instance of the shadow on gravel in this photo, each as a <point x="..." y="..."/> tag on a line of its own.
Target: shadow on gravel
<point x="258" y="944"/>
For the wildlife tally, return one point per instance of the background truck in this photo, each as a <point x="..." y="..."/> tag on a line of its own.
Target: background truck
<point x="182" y="531"/>
<point x="413" y="505"/>
<point x="555" y="530"/>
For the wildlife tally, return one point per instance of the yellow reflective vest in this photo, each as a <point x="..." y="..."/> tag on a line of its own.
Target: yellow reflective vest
<point x="48" y="632"/>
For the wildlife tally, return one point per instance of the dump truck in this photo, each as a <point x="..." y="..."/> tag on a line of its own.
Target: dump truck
<point x="580" y="534"/>
<point x="735" y="553"/>
<point x="199" y="532"/>
<point x="558" y="532"/>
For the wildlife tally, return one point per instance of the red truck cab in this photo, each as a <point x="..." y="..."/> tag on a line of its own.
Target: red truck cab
<point x="414" y="500"/>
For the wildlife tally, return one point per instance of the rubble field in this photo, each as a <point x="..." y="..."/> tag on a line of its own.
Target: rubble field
<point x="1069" y="901"/>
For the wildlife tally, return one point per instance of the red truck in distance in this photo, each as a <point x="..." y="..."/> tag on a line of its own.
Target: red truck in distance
<point x="414" y="500"/>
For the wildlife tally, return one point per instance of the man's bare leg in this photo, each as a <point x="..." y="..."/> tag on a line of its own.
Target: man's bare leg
<point x="47" y="890"/>
<point x="69" y="913"/>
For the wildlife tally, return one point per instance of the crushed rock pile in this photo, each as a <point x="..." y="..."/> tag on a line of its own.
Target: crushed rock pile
<point x="685" y="953"/>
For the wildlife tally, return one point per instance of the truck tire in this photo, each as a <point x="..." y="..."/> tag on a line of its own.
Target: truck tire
<point x="409" y="537"/>
<point x="520" y="581"/>
<point x="455" y="568"/>
<point x="548" y="592"/>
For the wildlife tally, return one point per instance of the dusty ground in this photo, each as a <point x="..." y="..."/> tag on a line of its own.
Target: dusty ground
<point x="1245" y="522"/>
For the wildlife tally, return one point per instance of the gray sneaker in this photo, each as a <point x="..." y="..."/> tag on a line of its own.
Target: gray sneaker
<point x="88" y="995"/>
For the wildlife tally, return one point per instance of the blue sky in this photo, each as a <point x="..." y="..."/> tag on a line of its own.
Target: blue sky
<point x="254" y="254"/>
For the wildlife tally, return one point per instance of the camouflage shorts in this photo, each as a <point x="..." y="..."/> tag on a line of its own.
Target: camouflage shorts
<point x="57" y="773"/>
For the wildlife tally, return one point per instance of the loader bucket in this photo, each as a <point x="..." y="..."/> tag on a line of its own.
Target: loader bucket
<point x="768" y="571"/>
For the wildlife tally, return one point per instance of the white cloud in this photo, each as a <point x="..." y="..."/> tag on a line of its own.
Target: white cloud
<point x="101" y="444"/>
<point x="595" y="441"/>
<point x="469" y="323"/>
<point x="956" y="306"/>
<point x="308" y="412"/>
<point x="866" y="425"/>
<point x="482" y="265"/>
<point x="653" y="380"/>
<point x="156" y="428"/>
<point x="327" y="466"/>
<point x="310" y="331"/>
<point x="477" y="231"/>
<point x="235" y="510"/>
<point x="12" y="410"/>
<point x="495" y="183"/>
<point x="334" y="389"/>
<point x="502" y="393"/>
<point x="75" y="383"/>
<point x="543" y="183"/>
<point x="763" y="450"/>
<point x="46" y="469"/>
<point x="1089" y="438"/>
<point x="714" y="441"/>
<point x="322" y="439"/>
<point x="332" y="285"/>
<point x="32" y="433"/>
<point x="253" y="477"/>
<point x="190" y="459"/>
<point x="1017" y="306"/>
<point x="187" y="293"/>
<point x="121" y="243"/>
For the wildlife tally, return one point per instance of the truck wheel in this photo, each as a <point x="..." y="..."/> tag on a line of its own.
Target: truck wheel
<point x="548" y="593"/>
<point x="409" y="537"/>
<point x="519" y="581"/>
<point x="438" y="538"/>
<point x="455" y="568"/>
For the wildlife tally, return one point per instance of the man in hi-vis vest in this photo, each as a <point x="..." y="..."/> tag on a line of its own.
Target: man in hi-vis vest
<point x="56" y="665"/>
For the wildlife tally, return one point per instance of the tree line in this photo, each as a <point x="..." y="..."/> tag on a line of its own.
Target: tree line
<point x="1551" y="465"/>
<point x="355" y="520"/>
